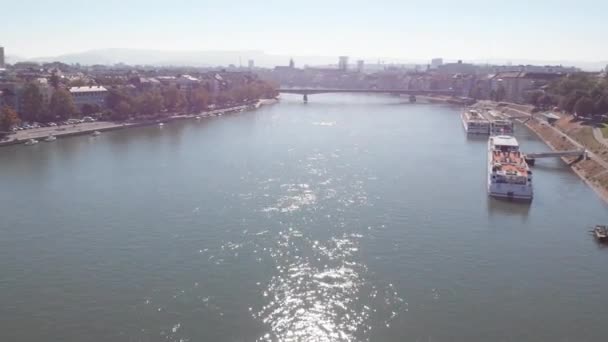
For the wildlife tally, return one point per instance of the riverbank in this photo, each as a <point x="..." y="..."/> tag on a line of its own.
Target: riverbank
<point x="459" y="101"/>
<point x="89" y="127"/>
<point x="565" y="134"/>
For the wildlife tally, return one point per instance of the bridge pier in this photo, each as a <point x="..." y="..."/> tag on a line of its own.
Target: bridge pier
<point x="305" y="98"/>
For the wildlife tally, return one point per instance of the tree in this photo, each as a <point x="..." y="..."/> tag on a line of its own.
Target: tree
<point x="601" y="105"/>
<point x="568" y="102"/>
<point x="8" y="118"/>
<point x="33" y="105"/>
<point x="149" y="103"/>
<point x="62" y="105"/>
<point x="223" y="98"/>
<point x="501" y="92"/>
<point x="533" y="97"/>
<point x="584" y="106"/>
<point x="545" y="101"/>
<point x="90" y="109"/>
<point x="122" y="111"/>
<point x="54" y="80"/>
<point x="174" y="99"/>
<point x="115" y="97"/>
<point x="199" y="99"/>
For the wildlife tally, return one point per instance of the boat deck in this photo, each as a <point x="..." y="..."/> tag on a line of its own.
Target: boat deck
<point x="511" y="162"/>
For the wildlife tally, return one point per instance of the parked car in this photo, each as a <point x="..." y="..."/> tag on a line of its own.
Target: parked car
<point x="88" y="119"/>
<point x="52" y="124"/>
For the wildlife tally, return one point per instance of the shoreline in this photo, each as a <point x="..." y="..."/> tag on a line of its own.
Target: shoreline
<point x="21" y="137"/>
<point x="556" y="140"/>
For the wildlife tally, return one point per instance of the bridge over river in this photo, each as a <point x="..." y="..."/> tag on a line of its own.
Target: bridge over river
<point x="413" y="93"/>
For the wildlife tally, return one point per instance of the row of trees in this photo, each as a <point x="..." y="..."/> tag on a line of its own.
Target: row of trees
<point x="122" y="105"/>
<point x="35" y="108"/>
<point x="583" y="94"/>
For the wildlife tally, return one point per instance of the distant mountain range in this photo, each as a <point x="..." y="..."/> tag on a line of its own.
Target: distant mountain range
<point x="262" y="59"/>
<point x="180" y="58"/>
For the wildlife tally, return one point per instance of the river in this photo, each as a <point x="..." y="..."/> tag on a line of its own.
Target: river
<point x="350" y="218"/>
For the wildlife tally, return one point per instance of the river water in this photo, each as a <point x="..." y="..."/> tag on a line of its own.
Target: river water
<point x="350" y="218"/>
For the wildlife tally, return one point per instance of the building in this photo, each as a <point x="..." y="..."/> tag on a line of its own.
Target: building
<point x="91" y="95"/>
<point x="457" y="68"/>
<point x="251" y="64"/>
<point x="436" y="63"/>
<point x="360" y="65"/>
<point x="516" y="85"/>
<point x="343" y="63"/>
<point x="1" y="57"/>
<point x="291" y="63"/>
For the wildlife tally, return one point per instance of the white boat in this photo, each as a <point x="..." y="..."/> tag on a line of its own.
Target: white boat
<point x="30" y="142"/>
<point x="474" y="123"/>
<point x="508" y="173"/>
<point x="96" y="133"/>
<point x="501" y="127"/>
<point x="50" y="138"/>
<point x="197" y="117"/>
<point x="161" y="124"/>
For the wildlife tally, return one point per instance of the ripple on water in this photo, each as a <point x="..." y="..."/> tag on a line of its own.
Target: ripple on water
<point x="321" y="293"/>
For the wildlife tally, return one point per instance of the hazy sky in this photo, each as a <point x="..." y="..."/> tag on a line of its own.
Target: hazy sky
<point x="467" y="29"/>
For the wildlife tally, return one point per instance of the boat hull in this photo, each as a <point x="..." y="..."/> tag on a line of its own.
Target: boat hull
<point x="473" y="130"/>
<point x="510" y="191"/>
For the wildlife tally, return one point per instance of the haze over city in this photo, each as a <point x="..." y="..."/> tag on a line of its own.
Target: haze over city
<point x="470" y="30"/>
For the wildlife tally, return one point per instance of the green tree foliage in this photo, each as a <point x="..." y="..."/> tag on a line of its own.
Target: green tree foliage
<point x="90" y="109"/>
<point x="8" y="118"/>
<point x="568" y="102"/>
<point x="533" y="97"/>
<point x="173" y="98"/>
<point x="122" y="111"/>
<point x="115" y="97"/>
<point x="601" y="105"/>
<point x="571" y="89"/>
<point x="62" y="105"/>
<point x="77" y="83"/>
<point x="584" y="106"/>
<point x="54" y="80"/>
<point x="149" y="103"/>
<point x="545" y="101"/>
<point x="33" y="104"/>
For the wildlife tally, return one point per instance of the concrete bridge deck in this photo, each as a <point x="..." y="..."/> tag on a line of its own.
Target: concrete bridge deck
<point x="310" y="91"/>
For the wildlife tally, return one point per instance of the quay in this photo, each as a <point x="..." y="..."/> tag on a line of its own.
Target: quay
<point x="84" y="128"/>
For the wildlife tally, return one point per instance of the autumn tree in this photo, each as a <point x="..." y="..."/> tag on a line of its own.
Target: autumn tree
<point x="8" y="118"/>
<point x="199" y="99"/>
<point x="173" y="98"/>
<point x="33" y="103"/>
<point x="62" y="105"/>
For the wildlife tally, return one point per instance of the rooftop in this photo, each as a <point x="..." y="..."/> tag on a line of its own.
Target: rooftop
<point x="505" y="140"/>
<point x="87" y="89"/>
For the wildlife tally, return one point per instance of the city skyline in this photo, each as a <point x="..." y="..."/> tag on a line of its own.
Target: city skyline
<point x="470" y="30"/>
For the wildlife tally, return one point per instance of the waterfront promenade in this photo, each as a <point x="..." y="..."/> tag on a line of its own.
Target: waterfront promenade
<point x="90" y="127"/>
